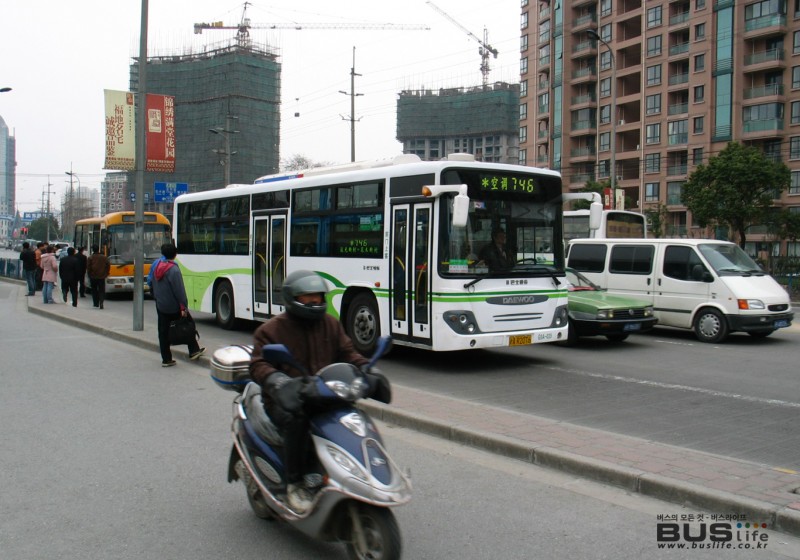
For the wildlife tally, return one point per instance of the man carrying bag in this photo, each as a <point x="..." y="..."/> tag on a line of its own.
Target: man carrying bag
<point x="171" y="304"/>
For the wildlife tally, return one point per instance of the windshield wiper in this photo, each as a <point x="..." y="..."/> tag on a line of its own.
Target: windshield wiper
<point x="477" y="279"/>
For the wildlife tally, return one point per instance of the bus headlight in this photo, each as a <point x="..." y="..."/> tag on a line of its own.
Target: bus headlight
<point x="561" y="317"/>
<point x="462" y="322"/>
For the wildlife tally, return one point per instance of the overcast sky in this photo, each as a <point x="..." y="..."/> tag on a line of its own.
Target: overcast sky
<point x="59" y="56"/>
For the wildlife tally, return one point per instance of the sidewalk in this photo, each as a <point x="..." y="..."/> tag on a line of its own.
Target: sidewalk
<point x="696" y="480"/>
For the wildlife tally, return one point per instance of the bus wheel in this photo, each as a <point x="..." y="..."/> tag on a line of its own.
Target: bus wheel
<point x="224" y="306"/>
<point x="363" y="323"/>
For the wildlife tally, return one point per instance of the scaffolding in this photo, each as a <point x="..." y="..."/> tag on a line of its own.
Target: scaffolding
<point x="213" y="87"/>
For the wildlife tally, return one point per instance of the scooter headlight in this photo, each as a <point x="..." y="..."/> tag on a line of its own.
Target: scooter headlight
<point x="341" y="388"/>
<point x="355" y="423"/>
<point x="347" y="463"/>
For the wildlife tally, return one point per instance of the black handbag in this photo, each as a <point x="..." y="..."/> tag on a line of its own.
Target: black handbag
<point x="182" y="331"/>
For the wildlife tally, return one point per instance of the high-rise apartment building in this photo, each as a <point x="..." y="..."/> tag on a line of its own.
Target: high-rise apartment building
<point x="668" y="85"/>
<point x="8" y="164"/>
<point x="481" y="120"/>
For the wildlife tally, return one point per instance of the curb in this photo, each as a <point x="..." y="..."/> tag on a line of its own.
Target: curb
<point x="647" y="484"/>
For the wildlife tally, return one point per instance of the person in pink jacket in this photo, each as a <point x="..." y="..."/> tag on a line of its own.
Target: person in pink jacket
<point x="50" y="274"/>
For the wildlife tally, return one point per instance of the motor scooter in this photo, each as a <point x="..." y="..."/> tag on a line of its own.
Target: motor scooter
<point x="352" y="479"/>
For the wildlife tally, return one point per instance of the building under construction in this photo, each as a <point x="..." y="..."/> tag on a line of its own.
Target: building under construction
<point x="481" y="120"/>
<point x="233" y="90"/>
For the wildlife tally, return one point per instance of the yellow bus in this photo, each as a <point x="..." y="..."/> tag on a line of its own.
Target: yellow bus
<point x="115" y="236"/>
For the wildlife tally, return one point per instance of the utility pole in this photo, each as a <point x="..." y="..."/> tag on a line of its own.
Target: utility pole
<point x="69" y="220"/>
<point x="47" y="211"/>
<point x="352" y="118"/>
<point x="226" y="153"/>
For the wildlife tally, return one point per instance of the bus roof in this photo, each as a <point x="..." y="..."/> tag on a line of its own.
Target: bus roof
<point x="398" y="166"/>
<point x="123" y="217"/>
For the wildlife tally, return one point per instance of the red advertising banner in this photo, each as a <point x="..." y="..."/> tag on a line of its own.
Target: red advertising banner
<point x="160" y="133"/>
<point x="120" y="133"/>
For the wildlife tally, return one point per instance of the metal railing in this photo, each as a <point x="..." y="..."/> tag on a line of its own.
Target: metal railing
<point x="11" y="268"/>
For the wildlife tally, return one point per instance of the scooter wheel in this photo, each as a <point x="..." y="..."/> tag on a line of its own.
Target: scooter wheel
<point x="257" y="501"/>
<point x="381" y="535"/>
<point x="260" y="507"/>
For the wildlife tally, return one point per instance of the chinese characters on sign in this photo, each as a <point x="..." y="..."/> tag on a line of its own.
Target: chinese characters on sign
<point x="160" y="133"/>
<point x="120" y="135"/>
<point x="121" y="132"/>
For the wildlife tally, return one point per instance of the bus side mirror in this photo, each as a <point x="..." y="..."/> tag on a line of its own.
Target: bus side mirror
<point x="460" y="210"/>
<point x="460" y="200"/>
<point x="595" y="215"/>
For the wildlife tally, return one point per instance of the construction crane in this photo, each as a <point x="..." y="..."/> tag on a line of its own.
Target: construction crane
<point x="485" y="50"/>
<point x="244" y="26"/>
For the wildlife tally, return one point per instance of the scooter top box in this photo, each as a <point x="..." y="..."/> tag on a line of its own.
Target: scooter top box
<point x="230" y="367"/>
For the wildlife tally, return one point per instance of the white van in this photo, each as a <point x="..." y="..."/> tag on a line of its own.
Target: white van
<point x="710" y="286"/>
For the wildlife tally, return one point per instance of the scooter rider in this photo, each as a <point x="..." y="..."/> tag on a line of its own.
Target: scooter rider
<point x="316" y="339"/>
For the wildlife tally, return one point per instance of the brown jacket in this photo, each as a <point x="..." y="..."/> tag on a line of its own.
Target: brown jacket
<point x="313" y="344"/>
<point x="97" y="266"/>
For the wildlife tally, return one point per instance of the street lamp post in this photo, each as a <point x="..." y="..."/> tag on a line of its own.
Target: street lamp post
<point x="226" y="153"/>
<point x="613" y="144"/>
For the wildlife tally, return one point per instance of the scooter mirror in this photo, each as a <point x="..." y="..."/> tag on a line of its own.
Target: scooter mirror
<point x="382" y="347"/>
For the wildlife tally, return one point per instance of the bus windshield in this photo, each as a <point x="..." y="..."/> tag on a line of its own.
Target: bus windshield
<point x="513" y="222"/>
<point x="122" y="242"/>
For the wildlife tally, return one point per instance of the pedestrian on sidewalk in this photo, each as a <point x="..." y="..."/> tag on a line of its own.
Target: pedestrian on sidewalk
<point x="98" y="268"/>
<point x="68" y="270"/>
<point x="83" y="259"/>
<point x="171" y="303"/>
<point x="41" y="249"/>
<point x="28" y="258"/>
<point x="49" y="274"/>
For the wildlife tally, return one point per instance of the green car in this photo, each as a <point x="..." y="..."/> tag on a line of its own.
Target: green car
<point x="593" y="312"/>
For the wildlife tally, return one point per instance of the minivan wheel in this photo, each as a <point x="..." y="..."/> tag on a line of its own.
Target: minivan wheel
<point x="710" y="326"/>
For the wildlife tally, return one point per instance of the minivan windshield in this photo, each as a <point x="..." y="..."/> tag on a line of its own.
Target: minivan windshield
<point x="729" y="260"/>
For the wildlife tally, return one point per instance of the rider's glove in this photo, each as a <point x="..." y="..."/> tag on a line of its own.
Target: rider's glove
<point x="285" y="391"/>
<point x="379" y="387"/>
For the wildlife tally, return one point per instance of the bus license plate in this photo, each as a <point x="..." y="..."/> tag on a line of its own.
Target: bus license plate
<point x="781" y="324"/>
<point x="632" y="327"/>
<point x="519" y="340"/>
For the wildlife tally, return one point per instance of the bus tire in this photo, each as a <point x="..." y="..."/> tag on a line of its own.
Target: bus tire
<point x="224" y="308"/>
<point x="363" y="323"/>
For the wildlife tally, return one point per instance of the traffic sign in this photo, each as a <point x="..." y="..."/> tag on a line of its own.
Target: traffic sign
<point x="166" y="192"/>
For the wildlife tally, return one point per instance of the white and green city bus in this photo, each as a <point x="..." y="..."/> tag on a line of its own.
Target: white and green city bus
<point x="398" y="243"/>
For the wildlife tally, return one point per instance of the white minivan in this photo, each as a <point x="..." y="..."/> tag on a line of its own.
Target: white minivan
<point x="712" y="287"/>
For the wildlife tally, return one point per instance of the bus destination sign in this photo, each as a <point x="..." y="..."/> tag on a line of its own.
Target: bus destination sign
<point x="508" y="183"/>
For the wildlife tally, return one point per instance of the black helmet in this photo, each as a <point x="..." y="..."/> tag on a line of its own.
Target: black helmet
<point x="304" y="282"/>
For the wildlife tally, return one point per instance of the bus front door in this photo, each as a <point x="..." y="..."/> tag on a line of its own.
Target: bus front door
<point x="410" y="272"/>
<point x="269" y="264"/>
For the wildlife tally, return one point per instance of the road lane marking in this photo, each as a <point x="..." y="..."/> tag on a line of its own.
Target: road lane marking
<point x="674" y="386"/>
